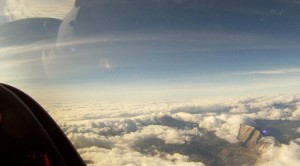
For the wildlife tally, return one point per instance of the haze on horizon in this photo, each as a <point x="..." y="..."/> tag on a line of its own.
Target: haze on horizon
<point x="238" y="50"/>
<point x="166" y="87"/>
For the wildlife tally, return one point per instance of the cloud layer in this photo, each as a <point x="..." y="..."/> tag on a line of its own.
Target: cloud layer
<point x="180" y="133"/>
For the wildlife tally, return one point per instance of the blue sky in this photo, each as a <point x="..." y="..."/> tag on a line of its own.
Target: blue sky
<point x="178" y="51"/>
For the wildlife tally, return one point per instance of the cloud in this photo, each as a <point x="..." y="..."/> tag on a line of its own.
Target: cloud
<point x="277" y="71"/>
<point x="83" y="140"/>
<point x="284" y="155"/>
<point x="116" y="156"/>
<point x="105" y="63"/>
<point x="173" y="133"/>
<point x="167" y="134"/>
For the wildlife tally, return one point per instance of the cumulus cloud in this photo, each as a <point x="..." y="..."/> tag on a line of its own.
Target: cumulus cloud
<point x="83" y="140"/>
<point x="116" y="156"/>
<point x="298" y="129"/>
<point x="180" y="133"/>
<point x="167" y="134"/>
<point x="284" y="155"/>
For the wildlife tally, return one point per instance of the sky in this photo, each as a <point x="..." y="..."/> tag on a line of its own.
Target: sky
<point x="134" y="82"/>
<point x="172" y="50"/>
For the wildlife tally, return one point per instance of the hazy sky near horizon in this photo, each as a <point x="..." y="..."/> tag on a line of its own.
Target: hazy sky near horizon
<point x="203" y="50"/>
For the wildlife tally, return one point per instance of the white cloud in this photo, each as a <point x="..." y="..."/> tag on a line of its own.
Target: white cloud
<point x="298" y="129"/>
<point x="277" y="71"/>
<point x="163" y="132"/>
<point x="296" y="113"/>
<point x="167" y="134"/>
<point x="116" y="156"/>
<point x="297" y="140"/>
<point x="226" y="126"/>
<point x="83" y="140"/>
<point x="284" y="155"/>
